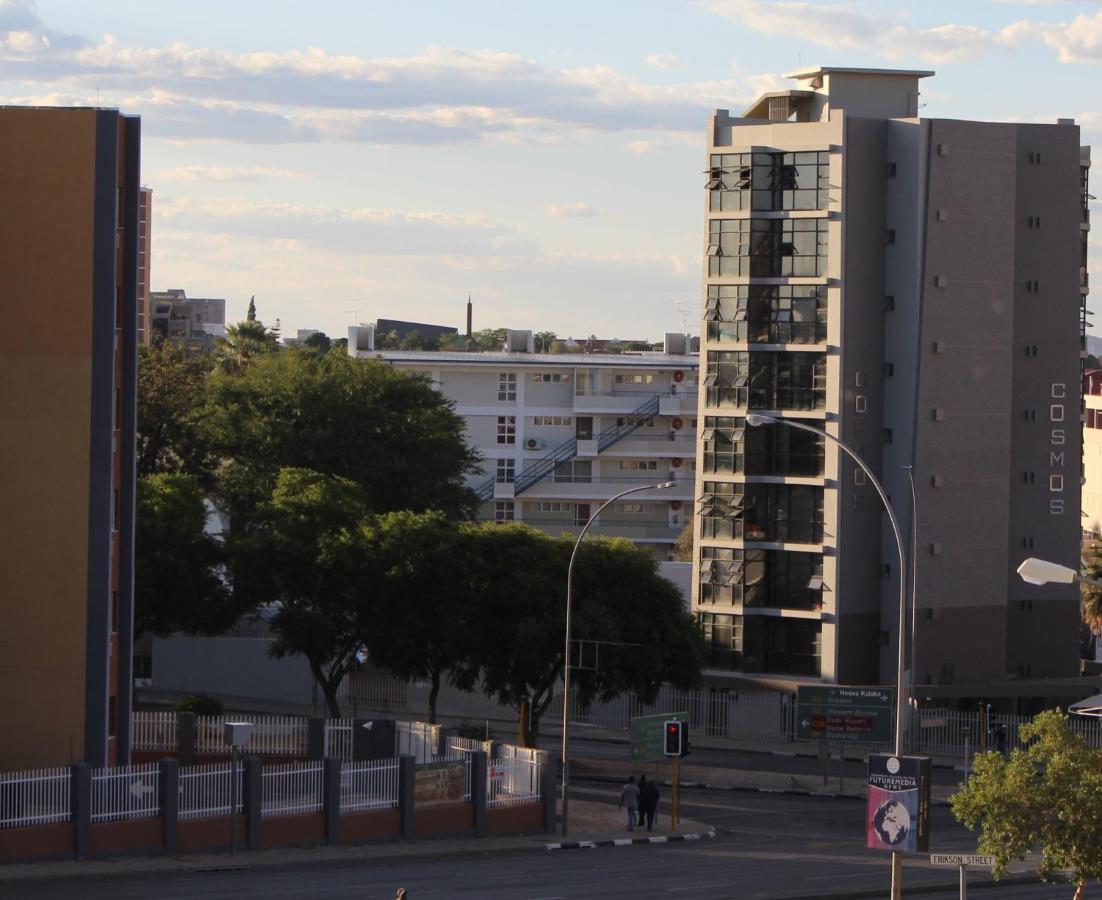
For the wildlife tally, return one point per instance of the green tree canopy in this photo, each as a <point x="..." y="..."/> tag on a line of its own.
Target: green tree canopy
<point x="630" y="623"/>
<point x="311" y="552"/>
<point x="1048" y="795"/>
<point x="385" y="430"/>
<point x="543" y="341"/>
<point x="244" y="342"/>
<point x="318" y="341"/>
<point x="683" y="546"/>
<point x="172" y="397"/>
<point x="178" y="567"/>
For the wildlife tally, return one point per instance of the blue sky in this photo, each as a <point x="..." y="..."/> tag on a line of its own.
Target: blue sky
<point x="350" y="160"/>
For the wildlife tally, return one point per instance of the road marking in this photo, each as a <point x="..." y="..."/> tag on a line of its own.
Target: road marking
<point x="698" y="887"/>
<point x="555" y="897"/>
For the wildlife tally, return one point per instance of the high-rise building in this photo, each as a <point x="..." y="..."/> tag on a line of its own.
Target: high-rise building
<point x="68" y="276"/>
<point x="914" y="287"/>
<point x="560" y="433"/>
<point x="145" y="260"/>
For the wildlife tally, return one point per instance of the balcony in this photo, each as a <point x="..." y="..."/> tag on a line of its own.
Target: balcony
<point x="610" y="402"/>
<point x="599" y="489"/>
<point x="654" y="531"/>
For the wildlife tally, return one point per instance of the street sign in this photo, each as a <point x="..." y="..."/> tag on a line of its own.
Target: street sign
<point x="957" y="859"/>
<point x="648" y="736"/>
<point x="841" y="713"/>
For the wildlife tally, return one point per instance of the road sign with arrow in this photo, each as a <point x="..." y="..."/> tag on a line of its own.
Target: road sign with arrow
<point x="841" y="713"/>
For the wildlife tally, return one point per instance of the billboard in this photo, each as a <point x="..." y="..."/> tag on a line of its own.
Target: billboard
<point x="897" y="814"/>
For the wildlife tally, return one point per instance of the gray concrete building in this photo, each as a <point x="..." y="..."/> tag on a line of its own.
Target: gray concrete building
<point x="916" y="288"/>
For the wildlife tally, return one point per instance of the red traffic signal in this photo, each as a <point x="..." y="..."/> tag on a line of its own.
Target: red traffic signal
<point x="677" y="738"/>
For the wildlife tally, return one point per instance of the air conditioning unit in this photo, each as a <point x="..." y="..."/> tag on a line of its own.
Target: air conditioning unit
<point x="533" y="444"/>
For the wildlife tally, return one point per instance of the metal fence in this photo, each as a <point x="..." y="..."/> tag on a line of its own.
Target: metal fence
<point x="34" y="797"/>
<point x="292" y="788"/>
<point x="205" y="790"/>
<point x="126" y="792"/>
<point x="153" y="730"/>
<point x="419" y="740"/>
<point x="374" y="690"/>
<point x="514" y="777"/>
<point x="272" y="735"/>
<point x="369" y="785"/>
<point x="338" y="739"/>
<point x="458" y="747"/>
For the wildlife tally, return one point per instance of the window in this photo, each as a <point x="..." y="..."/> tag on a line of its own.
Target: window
<point x="1033" y="222"/>
<point x="633" y="508"/>
<point x="633" y="379"/>
<point x="551" y="378"/>
<point x="889" y="369"/>
<point x="1035" y="159"/>
<point x="506" y="429"/>
<point x="889" y="236"/>
<point x="560" y="421"/>
<point x="503" y="511"/>
<point x="506" y="471"/>
<point x="768" y="248"/>
<point x="766" y="314"/>
<point x="553" y="506"/>
<point x="1032" y="286"/>
<point x="723" y="636"/>
<point x="766" y="380"/>
<point x="639" y="465"/>
<point x="891" y="170"/>
<point x="507" y="386"/>
<point x="889" y="303"/>
<point x="1031" y="350"/>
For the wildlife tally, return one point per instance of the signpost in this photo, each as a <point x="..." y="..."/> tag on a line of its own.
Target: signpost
<point x="648" y="736"/>
<point x="898" y="808"/>
<point x="963" y="861"/>
<point x="841" y="713"/>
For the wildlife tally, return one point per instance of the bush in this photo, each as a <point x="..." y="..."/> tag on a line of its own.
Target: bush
<point x="200" y="704"/>
<point x="472" y="732"/>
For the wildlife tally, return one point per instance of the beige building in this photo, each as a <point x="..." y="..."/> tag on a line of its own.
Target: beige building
<point x="68" y="347"/>
<point x="561" y="433"/>
<point x="913" y="287"/>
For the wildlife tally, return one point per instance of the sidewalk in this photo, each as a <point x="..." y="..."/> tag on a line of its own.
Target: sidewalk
<point x="591" y="825"/>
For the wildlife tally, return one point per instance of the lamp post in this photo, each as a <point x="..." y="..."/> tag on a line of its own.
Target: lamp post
<point x="754" y="419"/>
<point x="566" y="652"/>
<point x="1041" y="571"/>
<point x="914" y="602"/>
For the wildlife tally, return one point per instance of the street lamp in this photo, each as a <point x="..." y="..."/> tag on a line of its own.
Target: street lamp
<point x="754" y="419"/>
<point x="1041" y="571"/>
<point x="566" y="652"/>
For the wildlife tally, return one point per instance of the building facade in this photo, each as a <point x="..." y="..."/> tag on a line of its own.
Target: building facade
<point x="68" y="275"/>
<point x="913" y="287"/>
<point x="145" y="261"/>
<point x="562" y="433"/>
<point x="194" y="322"/>
<point x="1092" y="453"/>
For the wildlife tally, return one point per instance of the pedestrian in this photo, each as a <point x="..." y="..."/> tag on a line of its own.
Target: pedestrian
<point x="648" y="802"/>
<point x="401" y="895"/>
<point x="629" y="797"/>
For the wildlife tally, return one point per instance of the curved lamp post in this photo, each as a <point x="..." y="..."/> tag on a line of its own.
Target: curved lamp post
<point x="754" y="419"/>
<point x="1041" y="571"/>
<point x="566" y="653"/>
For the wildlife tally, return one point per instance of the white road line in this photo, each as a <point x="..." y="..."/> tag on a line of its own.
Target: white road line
<point x="698" y="887"/>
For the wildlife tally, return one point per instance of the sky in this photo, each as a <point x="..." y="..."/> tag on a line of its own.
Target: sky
<point x="345" y="161"/>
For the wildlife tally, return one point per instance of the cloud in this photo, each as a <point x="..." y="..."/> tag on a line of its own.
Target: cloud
<point x="438" y="95"/>
<point x="571" y="210"/>
<point x="664" y="61"/>
<point x="1077" y="41"/>
<point x="225" y="174"/>
<point x="364" y="231"/>
<point x="841" y="25"/>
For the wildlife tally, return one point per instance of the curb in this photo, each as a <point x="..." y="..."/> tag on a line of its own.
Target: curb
<point x="1009" y="881"/>
<point x="629" y="842"/>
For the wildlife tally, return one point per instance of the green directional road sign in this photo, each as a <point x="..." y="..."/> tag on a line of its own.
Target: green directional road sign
<point x="841" y="713"/>
<point x="648" y="736"/>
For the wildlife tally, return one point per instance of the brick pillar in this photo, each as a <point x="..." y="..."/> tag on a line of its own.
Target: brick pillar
<point x="170" y="805"/>
<point x="407" y="769"/>
<point x="315" y="738"/>
<point x="331" y="796"/>
<point x="185" y="738"/>
<point x="479" y="762"/>
<point x="253" y="786"/>
<point x="80" y="784"/>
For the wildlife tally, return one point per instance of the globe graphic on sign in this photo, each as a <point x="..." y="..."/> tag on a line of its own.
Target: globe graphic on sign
<point x="892" y="822"/>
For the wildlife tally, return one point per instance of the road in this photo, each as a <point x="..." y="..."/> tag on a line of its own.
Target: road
<point x="768" y="846"/>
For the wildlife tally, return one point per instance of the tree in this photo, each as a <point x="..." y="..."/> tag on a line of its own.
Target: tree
<point x="453" y="342"/>
<point x="172" y="395"/>
<point x="412" y="341"/>
<point x="388" y="431"/>
<point x="543" y="341"/>
<point x="557" y="347"/>
<point x="1092" y="593"/>
<point x="179" y="582"/>
<point x="250" y="316"/>
<point x="1047" y="795"/>
<point x="631" y="623"/>
<point x="387" y="340"/>
<point x="311" y="552"/>
<point x="244" y="342"/>
<point x="683" y="546"/>
<point x="614" y="346"/>
<point x="319" y="341"/>
<point x="492" y="339"/>
<point x="425" y="604"/>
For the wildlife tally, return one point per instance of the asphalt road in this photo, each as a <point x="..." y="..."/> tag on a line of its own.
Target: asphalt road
<point x="768" y="847"/>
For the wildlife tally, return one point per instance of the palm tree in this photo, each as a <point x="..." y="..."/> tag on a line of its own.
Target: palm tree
<point x="1092" y="593"/>
<point x="243" y="341"/>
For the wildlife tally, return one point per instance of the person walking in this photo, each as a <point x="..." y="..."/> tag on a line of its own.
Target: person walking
<point x="629" y="797"/>
<point x="648" y="802"/>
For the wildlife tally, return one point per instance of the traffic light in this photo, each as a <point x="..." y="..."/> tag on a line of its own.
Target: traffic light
<point x="677" y="738"/>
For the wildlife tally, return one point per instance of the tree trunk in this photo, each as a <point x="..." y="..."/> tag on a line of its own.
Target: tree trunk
<point x="329" y="689"/>
<point x="434" y="692"/>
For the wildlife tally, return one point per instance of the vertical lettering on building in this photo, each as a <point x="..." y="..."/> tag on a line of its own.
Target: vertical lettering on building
<point x="1058" y="437"/>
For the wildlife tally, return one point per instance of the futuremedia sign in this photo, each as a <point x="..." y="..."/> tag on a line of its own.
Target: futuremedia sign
<point x="897" y="814"/>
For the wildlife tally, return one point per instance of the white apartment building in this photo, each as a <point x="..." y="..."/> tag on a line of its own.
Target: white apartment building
<point x="562" y="433"/>
<point x="914" y="287"/>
